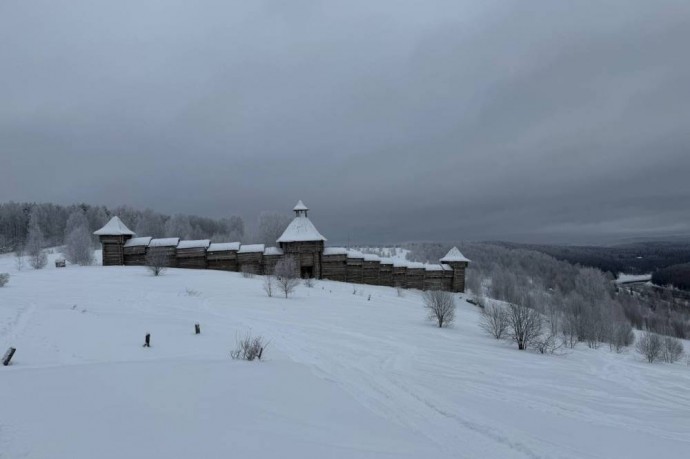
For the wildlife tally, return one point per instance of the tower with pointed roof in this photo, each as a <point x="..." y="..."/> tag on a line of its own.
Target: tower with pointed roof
<point x="303" y="241"/>
<point x="458" y="262"/>
<point x="113" y="237"/>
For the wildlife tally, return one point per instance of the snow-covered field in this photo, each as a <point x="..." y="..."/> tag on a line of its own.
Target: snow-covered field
<point x="344" y="377"/>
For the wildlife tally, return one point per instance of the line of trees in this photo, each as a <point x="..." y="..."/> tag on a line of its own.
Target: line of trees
<point x="582" y="303"/>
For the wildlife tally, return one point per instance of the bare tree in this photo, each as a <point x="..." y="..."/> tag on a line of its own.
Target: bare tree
<point x="650" y="346"/>
<point x="440" y="306"/>
<point x="494" y="321"/>
<point x="19" y="257"/>
<point x="269" y="284"/>
<point x="621" y="336"/>
<point x="524" y="325"/>
<point x="672" y="349"/>
<point x="34" y="246"/>
<point x="156" y="262"/>
<point x="286" y="275"/>
<point x="271" y="225"/>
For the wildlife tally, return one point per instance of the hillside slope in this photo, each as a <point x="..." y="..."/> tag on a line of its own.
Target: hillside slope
<point x="345" y="376"/>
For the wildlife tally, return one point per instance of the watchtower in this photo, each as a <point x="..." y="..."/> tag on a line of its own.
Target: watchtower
<point x="456" y="260"/>
<point x="303" y="241"/>
<point x="113" y="237"/>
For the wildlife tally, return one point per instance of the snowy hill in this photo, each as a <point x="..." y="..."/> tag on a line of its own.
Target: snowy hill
<point x="344" y="377"/>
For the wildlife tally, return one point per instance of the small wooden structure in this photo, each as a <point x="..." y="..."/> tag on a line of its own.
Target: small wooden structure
<point x="458" y="263"/>
<point x="223" y="256"/>
<point x="165" y="247"/>
<point x="60" y="263"/>
<point x="192" y="254"/>
<point x="302" y="241"/>
<point x="113" y="237"/>
<point x="135" y="251"/>
<point x="250" y="257"/>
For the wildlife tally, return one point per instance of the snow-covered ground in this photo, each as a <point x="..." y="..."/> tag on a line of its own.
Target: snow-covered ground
<point x="627" y="278"/>
<point x="344" y="377"/>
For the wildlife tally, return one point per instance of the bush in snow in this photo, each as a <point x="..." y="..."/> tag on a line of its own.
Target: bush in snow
<point x="4" y="279"/>
<point x="269" y="284"/>
<point x="247" y="272"/>
<point x="156" y="262"/>
<point x="671" y="350"/>
<point x="309" y="282"/>
<point x="286" y="275"/>
<point x="650" y="346"/>
<point x="440" y="306"/>
<point x="249" y="348"/>
<point x="494" y="321"/>
<point x="621" y="336"/>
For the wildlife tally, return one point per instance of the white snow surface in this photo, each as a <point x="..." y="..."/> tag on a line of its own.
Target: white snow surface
<point x="301" y="229"/>
<point x="114" y="227"/>
<point x="454" y="254"/>
<point x="335" y="251"/>
<point x="343" y="376"/>
<point x="138" y="241"/>
<point x="273" y="251"/>
<point x="223" y="246"/>
<point x="623" y="278"/>
<point x="194" y="244"/>
<point x="165" y="242"/>
<point x="371" y="257"/>
<point x="251" y="248"/>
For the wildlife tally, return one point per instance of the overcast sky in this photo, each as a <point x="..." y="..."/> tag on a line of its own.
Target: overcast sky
<point x="553" y="121"/>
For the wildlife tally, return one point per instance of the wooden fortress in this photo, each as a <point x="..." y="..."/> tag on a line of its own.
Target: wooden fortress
<point x="301" y="241"/>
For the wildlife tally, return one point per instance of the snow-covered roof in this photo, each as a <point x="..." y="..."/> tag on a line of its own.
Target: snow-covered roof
<point x="165" y="242"/>
<point x="415" y="265"/>
<point x="400" y="263"/>
<point x="138" y="241"/>
<point x="371" y="257"/>
<point x="434" y="267"/>
<point x="114" y="227"/>
<point x="301" y="229"/>
<point x="251" y="248"/>
<point x="198" y="244"/>
<point x="335" y="251"/>
<point x="387" y="261"/>
<point x="273" y="251"/>
<point x="300" y="206"/>
<point x="223" y="247"/>
<point x="454" y="255"/>
<point x="352" y="253"/>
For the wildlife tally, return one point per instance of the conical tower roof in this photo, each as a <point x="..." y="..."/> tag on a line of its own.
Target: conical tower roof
<point x="114" y="227"/>
<point x="301" y="229"/>
<point x="454" y="254"/>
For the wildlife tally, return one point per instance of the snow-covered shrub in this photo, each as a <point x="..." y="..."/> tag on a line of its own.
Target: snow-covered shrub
<point x="249" y="348"/>
<point x="4" y="279"/>
<point x="672" y="349"/>
<point x="191" y="292"/>
<point x="156" y="262"/>
<point x="621" y="336"/>
<point x="650" y="346"/>
<point x="286" y="275"/>
<point x="309" y="282"/>
<point x="494" y="321"/>
<point x="269" y="284"/>
<point x="440" y="306"/>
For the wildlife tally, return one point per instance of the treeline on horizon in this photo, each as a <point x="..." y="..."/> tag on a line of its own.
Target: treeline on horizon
<point x="52" y="220"/>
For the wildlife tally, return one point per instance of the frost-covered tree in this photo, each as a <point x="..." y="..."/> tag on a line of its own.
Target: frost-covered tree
<point x="524" y="325"/>
<point x="286" y="275"/>
<point x="494" y="321"/>
<point x="35" y="242"/>
<point x="271" y="226"/>
<point x="440" y="306"/>
<point x="178" y="226"/>
<point x="650" y="346"/>
<point x="151" y="224"/>
<point x="78" y="242"/>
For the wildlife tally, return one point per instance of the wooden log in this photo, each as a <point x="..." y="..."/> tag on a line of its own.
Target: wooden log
<point x="8" y="356"/>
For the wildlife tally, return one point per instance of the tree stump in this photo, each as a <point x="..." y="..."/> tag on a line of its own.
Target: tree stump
<point x="8" y="356"/>
<point x="197" y="329"/>
<point x="147" y="340"/>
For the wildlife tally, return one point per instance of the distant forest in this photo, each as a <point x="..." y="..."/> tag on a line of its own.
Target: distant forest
<point x="52" y="221"/>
